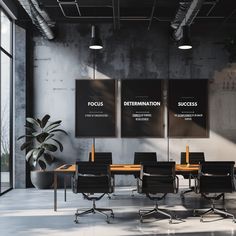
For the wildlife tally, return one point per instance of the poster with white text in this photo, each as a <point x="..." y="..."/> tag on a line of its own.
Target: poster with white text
<point x="95" y="108"/>
<point x="188" y="108"/>
<point x="141" y="108"/>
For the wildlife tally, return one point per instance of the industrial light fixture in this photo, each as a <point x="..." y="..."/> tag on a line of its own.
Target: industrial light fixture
<point x="96" y="42"/>
<point x="185" y="42"/>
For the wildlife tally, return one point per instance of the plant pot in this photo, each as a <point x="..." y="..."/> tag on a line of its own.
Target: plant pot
<point x="42" y="179"/>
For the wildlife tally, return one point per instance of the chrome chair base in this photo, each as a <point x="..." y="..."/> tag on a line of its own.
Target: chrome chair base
<point x="214" y="210"/>
<point x="156" y="210"/>
<point x="94" y="210"/>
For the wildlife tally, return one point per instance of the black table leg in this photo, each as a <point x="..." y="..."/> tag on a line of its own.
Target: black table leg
<point x="55" y="191"/>
<point x="65" y="188"/>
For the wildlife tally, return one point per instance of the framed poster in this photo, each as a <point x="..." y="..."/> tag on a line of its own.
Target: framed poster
<point x="95" y="108"/>
<point x="188" y="108"/>
<point x="141" y="108"/>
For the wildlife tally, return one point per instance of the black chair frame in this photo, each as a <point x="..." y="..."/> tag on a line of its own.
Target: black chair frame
<point x="103" y="158"/>
<point x="194" y="158"/>
<point x="89" y="194"/>
<point x="143" y="158"/>
<point x="216" y="196"/>
<point x="146" y="212"/>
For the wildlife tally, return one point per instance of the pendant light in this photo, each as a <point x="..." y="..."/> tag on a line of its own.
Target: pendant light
<point x="96" y="42"/>
<point x="185" y="42"/>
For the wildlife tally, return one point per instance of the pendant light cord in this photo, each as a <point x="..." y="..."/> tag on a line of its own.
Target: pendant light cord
<point x="94" y="77"/>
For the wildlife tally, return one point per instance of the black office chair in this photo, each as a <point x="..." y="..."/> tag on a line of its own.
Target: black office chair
<point x="102" y="157"/>
<point x="91" y="178"/>
<point x="215" y="178"/>
<point x="143" y="158"/>
<point x="194" y="158"/>
<point x="154" y="179"/>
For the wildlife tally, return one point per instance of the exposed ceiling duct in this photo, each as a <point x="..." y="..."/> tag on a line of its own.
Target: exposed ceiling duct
<point x="185" y="15"/>
<point x="39" y="18"/>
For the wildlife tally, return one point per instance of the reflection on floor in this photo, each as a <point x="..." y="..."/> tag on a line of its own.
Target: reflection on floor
<point x="30" y="212"/>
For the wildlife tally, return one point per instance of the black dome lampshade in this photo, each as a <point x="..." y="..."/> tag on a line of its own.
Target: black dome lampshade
<point x="185" y="42"/>
<point x="95" y="42"/>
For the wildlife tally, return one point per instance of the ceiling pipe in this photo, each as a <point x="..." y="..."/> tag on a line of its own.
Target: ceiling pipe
<point x="185" y="15"/>
<point x="37" y="19"/>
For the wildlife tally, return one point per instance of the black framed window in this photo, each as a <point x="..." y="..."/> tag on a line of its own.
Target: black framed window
<point x="6" y="73"/>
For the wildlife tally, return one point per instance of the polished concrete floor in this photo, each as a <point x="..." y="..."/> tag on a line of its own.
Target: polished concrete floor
<point x="30" y="212"/>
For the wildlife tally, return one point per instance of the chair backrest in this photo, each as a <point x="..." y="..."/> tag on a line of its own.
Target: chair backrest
<point x="145" y="157"/>
<point x="92" y="177"/>
<point x="216" y="177"/>
<point x="102" y="157"/>
<point x="158" y="178"/>
<point x="194" y="157"/>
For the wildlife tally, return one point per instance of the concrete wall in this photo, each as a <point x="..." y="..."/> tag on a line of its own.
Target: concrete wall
<point x="134" y="52"/>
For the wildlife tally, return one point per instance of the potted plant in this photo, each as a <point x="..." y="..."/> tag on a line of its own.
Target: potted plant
<point x="40" y="145"/>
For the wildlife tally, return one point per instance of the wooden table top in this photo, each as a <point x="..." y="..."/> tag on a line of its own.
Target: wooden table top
<point x="131" y="168"/>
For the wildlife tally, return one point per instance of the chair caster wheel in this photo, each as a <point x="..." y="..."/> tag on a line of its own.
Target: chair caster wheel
<point x="112" y="215"/>
<point x="201" y="220"/>
<point x="234" y="221"/>
<point x="141" y="220"/>
<point x="108" y="221"/>
<point x="170" y="221"/>
<point x="76" y="221"/>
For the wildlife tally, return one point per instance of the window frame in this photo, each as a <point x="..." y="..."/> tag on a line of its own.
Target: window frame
<point x="10" y="56"/>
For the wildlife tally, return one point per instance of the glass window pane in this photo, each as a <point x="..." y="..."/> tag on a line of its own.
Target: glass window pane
<point x="5" y="121"/>
<point x="5" y="32"/>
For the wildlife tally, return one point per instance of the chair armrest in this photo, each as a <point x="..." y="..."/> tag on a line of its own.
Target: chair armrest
<point x="177" y="183"/>
<point x="196" y="184"/>
<point x="214" y="175"/>
<point x="89" y="175"/>
<point x="139" y="185"/>
<point x="112" y="183"/>
<point x="74" y="184"/>
<point x="157" y="175"/>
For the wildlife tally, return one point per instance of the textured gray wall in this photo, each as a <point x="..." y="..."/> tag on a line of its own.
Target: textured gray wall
<point x="20" y="105"/>
<point x="134" y="52"/>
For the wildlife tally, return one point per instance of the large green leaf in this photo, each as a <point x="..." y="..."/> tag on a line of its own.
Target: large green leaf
<point x="39" y="121"/>
<point x="25" y="136"/>
<point x="49" y="137"/>
<point x="25" y="145"/>
<point x="59" y="144"/>
<point x="50" y="147"/>
<point x="42" y="164"/>
<point x="29" y="154"/>
<point x="42" y="137"/>
<point x="45" y="120"/>
<point x="36" y="133"/>
<point x="58" y="130"/>
<point x="34" y="163"/>
<point x="48" y="158"/>
<point x="38" y="153"/>
<point x="53" y="125"/>
<point x="32" y="121"/>
<point x="30" y="129"/>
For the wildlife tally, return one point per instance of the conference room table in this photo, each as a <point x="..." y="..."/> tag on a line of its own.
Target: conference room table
<point x="116" y="169"/>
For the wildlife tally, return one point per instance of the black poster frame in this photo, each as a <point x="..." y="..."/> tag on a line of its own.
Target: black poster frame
<point x="125" y="129"/>
<point x="206" y="103"/>
<point x="96" y="128"/>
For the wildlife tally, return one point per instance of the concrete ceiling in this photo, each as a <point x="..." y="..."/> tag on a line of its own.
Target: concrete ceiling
<point x="118" y="12"/>
<point x="132" y="10"/>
